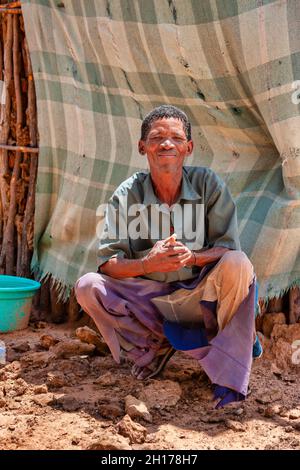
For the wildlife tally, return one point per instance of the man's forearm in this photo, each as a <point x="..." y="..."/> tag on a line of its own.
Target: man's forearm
<point x="210" y="255"/>
<point x="122" y="268"/>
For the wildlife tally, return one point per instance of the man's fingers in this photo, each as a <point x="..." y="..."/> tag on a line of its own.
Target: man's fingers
<point x="170" y="240"/>
<point x="176" y="250"/>
<point x="178" y="259"/>
<point x="184" y="258"/>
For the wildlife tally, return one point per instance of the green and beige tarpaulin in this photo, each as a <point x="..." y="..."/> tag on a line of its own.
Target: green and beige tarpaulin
<point x="101" y="65"/>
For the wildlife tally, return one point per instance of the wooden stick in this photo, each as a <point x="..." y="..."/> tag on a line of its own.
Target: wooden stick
<point x="5" y="116"/>
<point x="18" y="224"/>
<point x="28" y="216"/>
<point x="1" y="52"/>
<point x="8" y="246"/>
<point x="17" y="81"/>
<point x="10" y="241"/>
<point x="294" y="310"/>
<point x="10" y="5"/>
<point x="1" y="78"/>
<point x="7" y="251"/>
<point x="32" y="124"/>
<point x="31" y="110"/>
<point x="1" y="222"/>
<point x="11" y="11"/>
<point x="19" y="148"/>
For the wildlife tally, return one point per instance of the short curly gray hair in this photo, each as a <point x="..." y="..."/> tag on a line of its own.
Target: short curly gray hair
<point x="165" y="111"/>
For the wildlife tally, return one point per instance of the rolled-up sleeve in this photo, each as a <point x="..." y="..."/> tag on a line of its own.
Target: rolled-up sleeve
<point x="114" y="242"/>
<point x="221" y="218"/>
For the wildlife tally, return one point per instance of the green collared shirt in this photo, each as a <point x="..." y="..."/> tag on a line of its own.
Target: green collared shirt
<point x="204" y="216"/>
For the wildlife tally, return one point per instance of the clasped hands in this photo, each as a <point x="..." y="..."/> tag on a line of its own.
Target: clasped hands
<point x="168" y="255"/>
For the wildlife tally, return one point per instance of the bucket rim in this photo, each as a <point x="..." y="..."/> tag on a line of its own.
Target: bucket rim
<point x="32" y="284"/>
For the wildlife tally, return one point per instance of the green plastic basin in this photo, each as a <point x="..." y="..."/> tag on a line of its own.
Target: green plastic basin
<point x="16" y="295"/>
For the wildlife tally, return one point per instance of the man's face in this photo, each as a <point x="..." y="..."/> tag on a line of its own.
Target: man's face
<point x="166" y="145"/>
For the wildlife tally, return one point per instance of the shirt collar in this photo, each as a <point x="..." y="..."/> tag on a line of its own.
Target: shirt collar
<point x="187" y="190"/>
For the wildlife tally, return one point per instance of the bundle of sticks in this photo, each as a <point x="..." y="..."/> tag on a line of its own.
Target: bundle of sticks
<point x="18" y="146"/>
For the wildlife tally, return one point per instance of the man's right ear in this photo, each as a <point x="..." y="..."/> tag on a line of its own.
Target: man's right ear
<point x="141" y="146"/>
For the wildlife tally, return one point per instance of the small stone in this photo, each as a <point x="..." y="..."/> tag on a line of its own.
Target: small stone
<point x="294" y="414"/>
<point x="14" y="388"/>
<point x="282" y="352"/>
<point x="213" y="417"/>
<point x="137" y="409"/>
<point x="75" y="441"/>
<point x="68" y="403"/>
<point x="21" y="386"/>
<point x="235" y="425"/>
<point x="88" y="431"/>
<point x="284" y="412"/>
<point x="289" y="378"/>
<point x="163" y="393"/>
<point x="40" y="389"/>
<point x="270" y="319"/>
<point x="110" y="410"/>
<point x="36" y="359"/>
<point x="276" y="371"/>
<point x="43" y="399"/>
<point x="272" y="410"/>
<point x="269" y="397"/>
<point x="296" y="426"/>
<point x="12" y="371"/>
<point x="134" y="431"/>
<point x="288" y="333"/>
<point x="2" y="402"/>
<point x="106" y="380"/>
<point x="110" y="442"/>
<point x="46" y="341"/>
<point x="56" y="379"/>
<point x="289" y="429"/>
<point x="72" y="347"/>
<point x="21" y="347"/>
<point x="39" y="325"/>
<point x="87" y="335"/>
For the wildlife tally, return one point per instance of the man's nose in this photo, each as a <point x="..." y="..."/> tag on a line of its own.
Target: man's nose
<point x="167" y="143"/>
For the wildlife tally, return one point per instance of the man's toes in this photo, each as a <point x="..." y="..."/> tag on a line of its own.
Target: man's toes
<point x="135" y="370"/>
<point x="143" y="374"/>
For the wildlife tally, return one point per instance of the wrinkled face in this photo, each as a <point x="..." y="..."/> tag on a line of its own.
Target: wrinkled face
<point x="166" y="145"/>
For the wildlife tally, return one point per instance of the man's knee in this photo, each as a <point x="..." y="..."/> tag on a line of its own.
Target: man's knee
<point x="235" y="262"/>
<point x="85" y="284"/>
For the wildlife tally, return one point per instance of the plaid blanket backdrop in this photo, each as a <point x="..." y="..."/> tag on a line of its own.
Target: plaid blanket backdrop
<point x="231" y="65"/>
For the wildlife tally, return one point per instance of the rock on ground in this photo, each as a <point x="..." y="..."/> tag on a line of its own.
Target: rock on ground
<point x="72" y="347"/>
<point x="271" y="319"/>
<point x="135" y="432"/>
<point x="87" y="335"/>
<point x="137" y="409"/>
<point x="110" y="442"/>
<point x="161" y="394"/>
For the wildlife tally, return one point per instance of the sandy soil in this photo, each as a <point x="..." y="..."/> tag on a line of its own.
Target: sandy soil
<point x="68" y="397"/>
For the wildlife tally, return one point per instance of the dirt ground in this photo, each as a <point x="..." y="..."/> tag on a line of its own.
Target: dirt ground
<point x="58" y="392"/>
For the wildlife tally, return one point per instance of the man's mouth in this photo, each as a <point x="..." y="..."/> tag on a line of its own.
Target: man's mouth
<point x="167" y="154"/>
